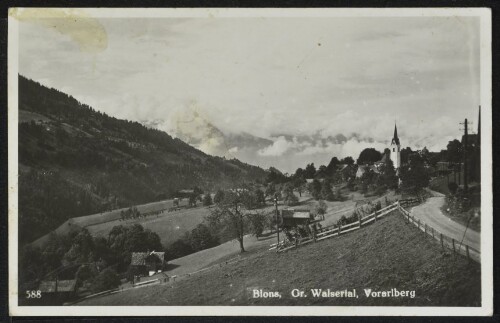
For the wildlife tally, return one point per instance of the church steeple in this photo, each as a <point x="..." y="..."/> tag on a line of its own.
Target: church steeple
<point x="395" y="139"/>
<point x="395" y="149"/>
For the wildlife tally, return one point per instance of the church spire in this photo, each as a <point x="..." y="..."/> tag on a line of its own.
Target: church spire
<point x="395" y="139"/>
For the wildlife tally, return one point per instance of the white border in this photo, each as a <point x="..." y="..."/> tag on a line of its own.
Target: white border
<point x="486" y="169"/>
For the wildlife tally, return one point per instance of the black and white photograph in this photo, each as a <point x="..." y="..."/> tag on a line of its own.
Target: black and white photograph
<point x="250" y="161"/>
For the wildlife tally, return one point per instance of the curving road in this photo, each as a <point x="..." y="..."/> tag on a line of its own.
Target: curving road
<point x="430" y="213"/>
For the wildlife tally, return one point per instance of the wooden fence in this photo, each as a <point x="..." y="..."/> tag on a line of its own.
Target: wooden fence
<point x="444" y="240"/>
<point x="334" y="230"/>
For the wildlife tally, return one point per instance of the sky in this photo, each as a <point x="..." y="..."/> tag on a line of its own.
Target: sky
<point x="305" y="89"/>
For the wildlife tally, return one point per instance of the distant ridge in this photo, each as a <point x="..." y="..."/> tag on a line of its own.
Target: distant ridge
<point x="75" y="161"/>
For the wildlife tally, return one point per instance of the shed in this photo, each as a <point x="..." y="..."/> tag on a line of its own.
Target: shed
<point x="293" y="217"/>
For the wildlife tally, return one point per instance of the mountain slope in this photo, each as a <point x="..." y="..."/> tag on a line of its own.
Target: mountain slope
<point x="384" y="255"/>
<point x="75" y="161"/>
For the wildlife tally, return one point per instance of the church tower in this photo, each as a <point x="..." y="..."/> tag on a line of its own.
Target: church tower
<point x="395" y="149"/>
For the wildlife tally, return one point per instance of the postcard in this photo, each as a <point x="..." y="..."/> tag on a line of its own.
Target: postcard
<point x="250" y="161"/>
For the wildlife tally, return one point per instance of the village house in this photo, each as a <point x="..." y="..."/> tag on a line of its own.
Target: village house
<point x="147" y="263"/>
<point x="57" y="291"/>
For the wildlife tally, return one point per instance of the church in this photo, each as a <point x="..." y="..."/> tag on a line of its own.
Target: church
<point x="394" y="153"/>
<point x="395" y="148"/>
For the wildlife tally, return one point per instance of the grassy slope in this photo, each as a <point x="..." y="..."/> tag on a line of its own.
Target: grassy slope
<point x="170" y="226"/>
<point x="387" y="254"/>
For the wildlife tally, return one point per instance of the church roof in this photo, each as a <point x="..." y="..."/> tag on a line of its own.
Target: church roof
<point x="395" y="139"/>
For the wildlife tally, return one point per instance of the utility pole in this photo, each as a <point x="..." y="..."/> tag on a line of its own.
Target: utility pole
<point x="465" y="146"/>
<point x="277" y="223"/>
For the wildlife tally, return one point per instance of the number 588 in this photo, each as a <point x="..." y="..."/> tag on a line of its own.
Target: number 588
<point x="33" y="294"/>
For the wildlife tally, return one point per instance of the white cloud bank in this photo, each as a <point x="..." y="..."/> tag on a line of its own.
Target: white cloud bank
<point x="274" y="76"/>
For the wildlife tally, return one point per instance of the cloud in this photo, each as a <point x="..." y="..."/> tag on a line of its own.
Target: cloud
<point x="362" y="78"/>
<point x="278" y="148"/>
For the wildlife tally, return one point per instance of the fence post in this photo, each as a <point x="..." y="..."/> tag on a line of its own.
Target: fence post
<point x="441" y="238"/>
<point x="340" y="228"/>
<point x="467" y="252"/>
<point x="453" y="243"/>
<point x="359" y="218"/>
<point x="375" y="216"/>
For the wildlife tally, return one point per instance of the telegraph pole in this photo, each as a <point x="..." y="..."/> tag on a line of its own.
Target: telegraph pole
<point x="465" y="146"/>
<point x="277" y="223"/>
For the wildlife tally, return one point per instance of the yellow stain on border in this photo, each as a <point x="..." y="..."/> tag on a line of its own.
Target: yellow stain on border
<point x="86" y="31"/>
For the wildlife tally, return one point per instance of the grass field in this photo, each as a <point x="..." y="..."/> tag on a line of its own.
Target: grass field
<point x="169" y="225"/>
<point x="387" y="254"/>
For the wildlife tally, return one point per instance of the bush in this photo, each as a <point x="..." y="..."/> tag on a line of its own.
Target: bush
<point x="107" y="279"/>
<point x="84" y="273"/>
<point x="207" y="200"/>
<point x="452" y="187"/>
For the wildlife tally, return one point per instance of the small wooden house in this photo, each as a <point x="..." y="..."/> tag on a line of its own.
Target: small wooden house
<point x="148" y="263"/>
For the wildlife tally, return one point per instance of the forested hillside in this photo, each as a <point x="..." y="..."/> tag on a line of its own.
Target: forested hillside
<point x="75" y="161"/>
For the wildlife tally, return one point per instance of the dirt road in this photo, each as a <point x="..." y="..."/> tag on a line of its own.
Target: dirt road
<point x="430" y="213"/>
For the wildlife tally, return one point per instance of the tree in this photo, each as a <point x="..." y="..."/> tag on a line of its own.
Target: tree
<point x="230" y="214"/>
<point x="332" y="166"/>
<point x="315" y="189"/>
<point x="81" y="248"/>
<point x="270" y="190"/>
<point x="201" y="238"/>
<point x="249" y="200"/>
<point x="289" y="198"/>
<point x="310" y="171"/>
<point x="405" y="154"/>
<point x="347" y="160"/>
<point x="387" y="175"/>
<point x="367" y="178"/>
<point x="106" y="280"/>
<point x="298" y="184"/>
<point x="413" y="175"/>
<point x="326" y="191"/>
<point x="123" y="240"/>
<point x="455" y="151"/>
<point x="275" y="176"/>
<point x="207" y="199"/>
<point x="369" y="156"/>
<point x="192" y="199"/>
<point x="258" y="221"/>
<point x="261" y="199"/>
<point x="320" y="208"/>
<point x="84" y="273"/>
<point x="219" y="196"/>
<point x="299" y="173"/>
<point x="322" y="172"/>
